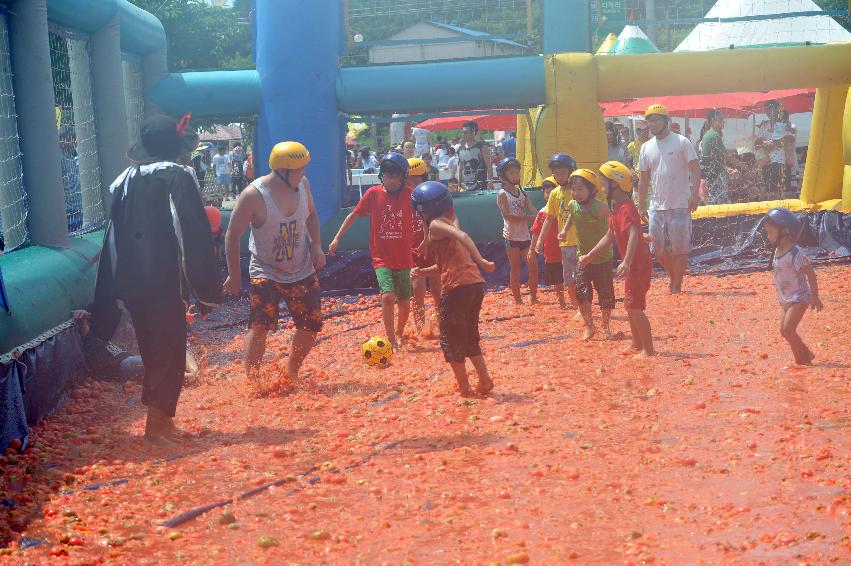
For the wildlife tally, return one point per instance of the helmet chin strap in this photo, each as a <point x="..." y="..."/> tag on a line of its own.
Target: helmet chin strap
<point x="286" y="180"/>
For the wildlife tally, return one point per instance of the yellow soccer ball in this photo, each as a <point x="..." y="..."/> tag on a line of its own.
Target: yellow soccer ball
<point x="377" y="352"/>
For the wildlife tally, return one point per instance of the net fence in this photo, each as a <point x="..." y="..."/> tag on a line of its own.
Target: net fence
<point x="134" y="95"/>
<point x="394" y="31"/>
<point x="75" y="120"/>
<point x="13" y="203"/>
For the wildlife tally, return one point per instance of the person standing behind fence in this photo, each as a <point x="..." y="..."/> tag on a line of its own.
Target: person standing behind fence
<point x="474" y="160"/>
<point x="237" y="157"/>
<point x="771" y="135"/>
<point x="71" y="178"/>
<point x="669" y="162"/>
<point x="221" y="167"/>
<point x="714" y="159"/>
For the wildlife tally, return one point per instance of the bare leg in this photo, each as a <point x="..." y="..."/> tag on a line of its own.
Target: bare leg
<point x="606" y="317"/>
<point x="403" y="308"/>
<point x="255" y="346"/>
<point x="642" y="326"/>
<point x="590" y="330"/>
<point x="514" y="273"/>
<point x="532" y="264"/>
<point x="436" y="289"/>
<point x="419" y="285"/>
<point x="460" y="371"/>
<point x="303" y="341"/>
<point x="633" y="329"/>
<point x="559" y="288"/>
<point x="679" y="264"/>
<point x="665" y="260"/>
<point x="388" y="302"/>
<point x="159" y="429"/>
<point x="485" y="384"/>
<point x="571" y="290"/>
<point x="789" y="330"/>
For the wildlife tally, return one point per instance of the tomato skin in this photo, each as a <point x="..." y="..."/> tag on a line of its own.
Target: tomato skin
<point x="15" y="444"/>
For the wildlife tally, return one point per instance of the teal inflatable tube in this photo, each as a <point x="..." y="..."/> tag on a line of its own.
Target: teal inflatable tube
<point x="477" y="212"/>
<point x="141" y="32"/>
<point x="362" y="90"/>
<point x="44" y="285"/>
<point x="210" y="93"/>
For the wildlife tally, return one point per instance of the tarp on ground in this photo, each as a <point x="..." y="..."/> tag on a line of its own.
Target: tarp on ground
<point x="764" y="32"/>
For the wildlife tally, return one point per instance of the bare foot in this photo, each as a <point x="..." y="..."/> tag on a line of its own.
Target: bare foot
<point x="607" y="334"/>
<point x="484" y="387"/>
<point x="466" y="392"/>
<point x="589" y="333"/>
<point x="630" y="350"/>
<point x="644" y="354"/>
<point x="159" y="441"/>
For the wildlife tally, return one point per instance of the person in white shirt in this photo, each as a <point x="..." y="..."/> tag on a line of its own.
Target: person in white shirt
<point x="668" y="162"/>
<point x="221" y="166"/>
<point x="421" y="144"/>
<point x="368" y="162"/>
<point x="441" y="156"/>
<point x="771" y="137"/>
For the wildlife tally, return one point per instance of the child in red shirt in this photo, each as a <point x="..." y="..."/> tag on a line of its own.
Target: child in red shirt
<point x="636" y="266"/>
<point x="553" y="274"/>
<point x="458" y="262"/>
<point x="390" y="241"/>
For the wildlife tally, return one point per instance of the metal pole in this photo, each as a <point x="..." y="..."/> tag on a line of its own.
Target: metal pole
<point x="650" y="14"/>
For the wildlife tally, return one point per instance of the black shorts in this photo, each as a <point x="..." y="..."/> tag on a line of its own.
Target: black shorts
<point x="553" y="274"/>
<point x="598" y="275"/>
<point x="303" y="298"/>
<point x="459" y="322"/>
<point x="524" y="245"/>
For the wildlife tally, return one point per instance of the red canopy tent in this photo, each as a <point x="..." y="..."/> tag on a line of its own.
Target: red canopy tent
<point x="736" y="104"/>
<point x="502" y="122"/>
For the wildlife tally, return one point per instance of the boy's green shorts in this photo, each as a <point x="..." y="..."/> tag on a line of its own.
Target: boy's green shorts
<point x="396" y="281"/>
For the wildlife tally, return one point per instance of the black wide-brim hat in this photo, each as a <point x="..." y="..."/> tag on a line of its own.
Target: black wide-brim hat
<point x="163" y="139"/>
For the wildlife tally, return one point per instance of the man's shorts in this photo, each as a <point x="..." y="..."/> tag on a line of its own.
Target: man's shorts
<point x="397" y="281"/>
<point x="303" y="298"/>
<point x="596" y="276"/>
<point x="636" y="285"/>
<point x="568" y="263"/>
<point x="524" y="245"/>
<point x="671" y="231"/>
<point x="553" y="274"/>
<point x="223" y="180"/>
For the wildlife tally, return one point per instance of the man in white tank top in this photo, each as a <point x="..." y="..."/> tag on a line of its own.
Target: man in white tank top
<point x="286" y="251"/>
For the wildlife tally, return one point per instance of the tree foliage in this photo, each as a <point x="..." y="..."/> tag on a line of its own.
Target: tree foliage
<point x="202" y="37"/>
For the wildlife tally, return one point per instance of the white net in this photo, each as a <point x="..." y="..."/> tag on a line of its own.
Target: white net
<point x="134" y="96"/>
<point x="75" y="120"/>
<point x="13" y="204"/>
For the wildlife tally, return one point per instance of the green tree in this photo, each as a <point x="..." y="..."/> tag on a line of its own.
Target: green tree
<point x="202" y="37"/>
<point x="844" y="21"/>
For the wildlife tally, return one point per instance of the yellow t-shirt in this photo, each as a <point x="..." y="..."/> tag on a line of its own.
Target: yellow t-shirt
<point x="557" y="208"/>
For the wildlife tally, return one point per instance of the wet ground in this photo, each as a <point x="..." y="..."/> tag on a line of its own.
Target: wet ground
<point x="714" y="452"/>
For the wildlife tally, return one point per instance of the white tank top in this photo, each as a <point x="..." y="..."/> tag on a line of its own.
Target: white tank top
<point x="280" y="249"/>
<point x="516" y="230"/>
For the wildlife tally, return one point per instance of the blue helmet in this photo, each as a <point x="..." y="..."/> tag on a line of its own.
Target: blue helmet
<point x="562" y="159"/>
<point x="786" y="219"/>
<point x="393" y="161"/>
<point x="431" y="198"/>
<point x="505" y="163"/>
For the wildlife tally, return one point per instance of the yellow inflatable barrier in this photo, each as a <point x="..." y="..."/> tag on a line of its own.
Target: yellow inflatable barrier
<point x="571" y="120"/>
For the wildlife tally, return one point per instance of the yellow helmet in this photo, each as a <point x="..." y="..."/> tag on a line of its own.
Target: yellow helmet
<point x="288" y="155"/>
<point x="619" y="173"/>
<point x="656" y="110"/>
<point x="417" y="167"/>
<point x="551" y="180"/>
<point x="588" y="175"/>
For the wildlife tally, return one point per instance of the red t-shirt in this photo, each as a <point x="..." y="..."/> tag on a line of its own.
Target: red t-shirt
<point x="390" y="232"/>
<point x="625" y="216"/>
<point x="552" y="252"/>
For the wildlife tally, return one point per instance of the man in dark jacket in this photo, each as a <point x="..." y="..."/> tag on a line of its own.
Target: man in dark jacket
<point x="157" y="252"/>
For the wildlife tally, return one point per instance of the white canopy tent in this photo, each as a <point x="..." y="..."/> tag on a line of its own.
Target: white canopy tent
<point x="763" y="32"/>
